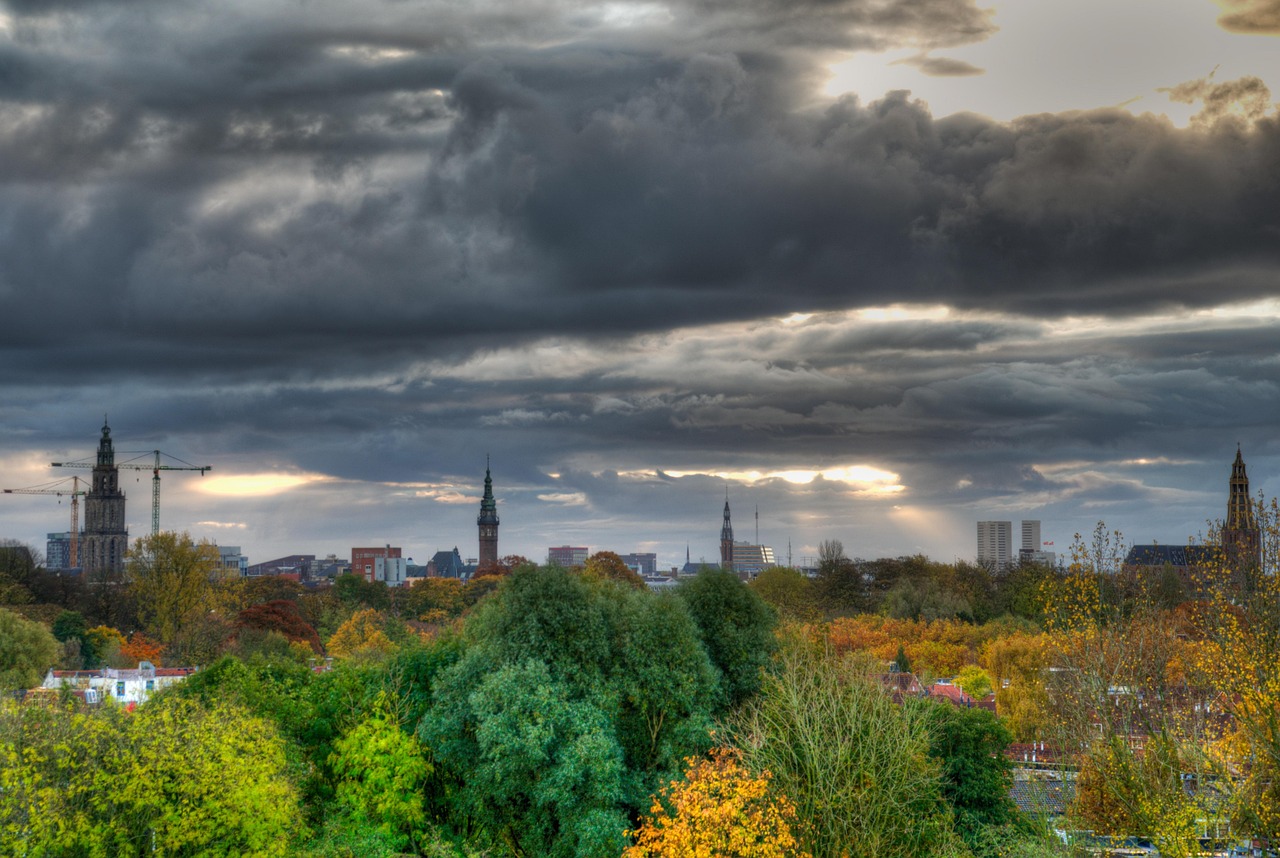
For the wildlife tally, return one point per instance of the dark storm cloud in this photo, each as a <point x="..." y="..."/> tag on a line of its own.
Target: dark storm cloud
<point x="1250" y="16"/>
<point x="364" y="239"/>
<point x="941" y="66"/>
<point x="235" y="176"/>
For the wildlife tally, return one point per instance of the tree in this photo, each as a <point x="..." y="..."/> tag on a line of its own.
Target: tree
<point x="170" y="576"/>
<point x="788" y="592"/>
<point x="27" y="651"/>
<point x="547" y="775"/>
<point x="106" y="643"/>
<point x="174" y="778"/>
<point x="840" y="586"/>
<point x="718" y="809"/>
<point x="854" y="762"/>
<point x="608" y="565"/>
<point x="363" y="635"/>
<point x="976" y="777"/>
<point x="573" y="699"/>
<point x="283" y="616"/>
<point x="435" y="599"/>
<point x="356" y="592"/>
<point x="736" y="627"/>
<point x="974" y="681"/>
<point x="140" y="648"/>
<point x="901" y="663"/>
<point x="381" y="770"/>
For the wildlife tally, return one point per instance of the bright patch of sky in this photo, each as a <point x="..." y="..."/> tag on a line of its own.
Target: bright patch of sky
<point x="1053" y="55"/>
<point x="240" y="485"/>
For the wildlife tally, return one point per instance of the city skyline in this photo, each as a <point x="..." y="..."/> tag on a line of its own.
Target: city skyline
<point x="639" y="253"/>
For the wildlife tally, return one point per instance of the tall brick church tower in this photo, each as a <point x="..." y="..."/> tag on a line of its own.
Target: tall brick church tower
<point x="726" y="538"/>
<point x="105" y="536"/>
<point x="487" y="521"/>
<point x="1241" y="541"/>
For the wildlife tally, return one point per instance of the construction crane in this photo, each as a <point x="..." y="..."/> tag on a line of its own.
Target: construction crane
<point x="155" y="469"/>
<point x="75" y="494"/>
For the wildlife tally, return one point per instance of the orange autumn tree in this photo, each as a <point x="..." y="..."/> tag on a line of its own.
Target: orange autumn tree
<point x="719" y="809"/>
<point x="141" y="648"/>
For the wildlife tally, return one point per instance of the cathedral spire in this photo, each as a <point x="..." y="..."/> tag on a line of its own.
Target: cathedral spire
<point x="1241" y="541"/>
<point x="726" y="537"/>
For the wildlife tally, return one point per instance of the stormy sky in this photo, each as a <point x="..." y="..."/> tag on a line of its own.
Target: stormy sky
<point x="880" y="268"/>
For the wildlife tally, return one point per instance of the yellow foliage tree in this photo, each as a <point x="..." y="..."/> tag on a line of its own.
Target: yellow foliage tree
<point x="171" y="577"/>
<point x="719" y="809"/>
<point x="361" y="636"/>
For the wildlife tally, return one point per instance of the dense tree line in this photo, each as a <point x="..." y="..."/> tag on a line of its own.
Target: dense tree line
<point x="542" y="712"/>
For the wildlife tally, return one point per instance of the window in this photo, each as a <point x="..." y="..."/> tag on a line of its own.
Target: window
<point x="151" y="685"/>
<point x="120" y="688"/>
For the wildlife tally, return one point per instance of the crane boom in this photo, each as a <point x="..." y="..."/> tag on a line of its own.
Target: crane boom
<point x="155" y="469"/>
<point x="76" y="493"/>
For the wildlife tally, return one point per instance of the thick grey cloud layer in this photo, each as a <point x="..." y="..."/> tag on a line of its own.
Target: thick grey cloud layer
<point x="362" y="239"/>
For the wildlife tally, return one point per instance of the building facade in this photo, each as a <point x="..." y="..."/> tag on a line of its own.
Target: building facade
<point x="567" y="556"/>
<point x="1030" y="535"/>
<point x="487" y="524"/>
<point x="385" y="564"/>
<point x="106" y="539"/>
<point x="642" y="564"/>
<point x="750" y="560"/>
<point x="57" y="550"/>
<point x="995" y="544"/>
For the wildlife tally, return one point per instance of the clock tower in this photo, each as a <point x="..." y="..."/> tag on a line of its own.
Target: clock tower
<point x="487" y="522"/>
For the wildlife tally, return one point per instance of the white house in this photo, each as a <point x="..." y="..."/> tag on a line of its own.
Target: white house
<point x="124" y="685"/>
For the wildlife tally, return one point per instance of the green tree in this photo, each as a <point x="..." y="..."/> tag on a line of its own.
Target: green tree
<point x="855" y="763"/>
<point x="548" y="775"/>
<point x="976" y="778"/>
<point x="736" y="627"/>
<point x="558" y="674"/>
<point x="175" y="778"/>
<point x="381" y="770"/>
<point x="974" y="681"/>
<point x="840" y="587"/>
<point x="170" y="577"/>
<point x="788" y="592"/>
<point x="27" y="651"/>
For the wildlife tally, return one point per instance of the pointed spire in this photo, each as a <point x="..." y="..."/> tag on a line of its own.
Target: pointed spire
<point x="488" y="504"/>
<point x="1239" y="504"/>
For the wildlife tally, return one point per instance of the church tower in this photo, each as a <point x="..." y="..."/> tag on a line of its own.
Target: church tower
<point x="105" y="536"/>
<point x="726" y="538"/>
<point x="487" y="521"/>
<point x="1241" y="541"/>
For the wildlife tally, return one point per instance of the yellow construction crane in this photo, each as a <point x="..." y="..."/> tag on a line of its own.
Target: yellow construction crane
<point x="75" y="494"/>
<point x="155" y="469"/>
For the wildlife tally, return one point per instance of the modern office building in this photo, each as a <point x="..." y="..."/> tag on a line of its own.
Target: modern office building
<point x="1030" y="535"/>
<point x="750" y="560"/>
<point x="567" y="556"/>
<point x="995" y="544"/>
<point x="57" y="550"/>
<point x="642" y="564"/>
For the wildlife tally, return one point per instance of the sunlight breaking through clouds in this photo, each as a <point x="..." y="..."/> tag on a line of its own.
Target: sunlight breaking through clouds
<point x="255" y="485"/>
<point x="863" y="478"/>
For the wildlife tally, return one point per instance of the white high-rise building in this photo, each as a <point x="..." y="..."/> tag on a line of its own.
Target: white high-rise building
<point x="995" y="544"/>
<point x="1030" y="535"/>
